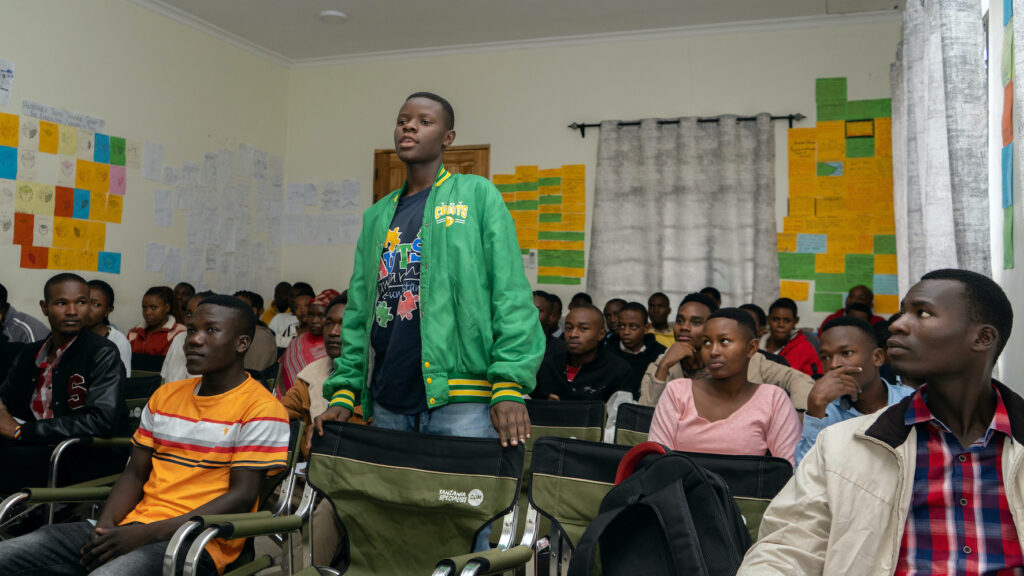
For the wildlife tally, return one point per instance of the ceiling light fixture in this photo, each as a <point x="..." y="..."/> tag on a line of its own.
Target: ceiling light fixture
<point x="332" y="16"/>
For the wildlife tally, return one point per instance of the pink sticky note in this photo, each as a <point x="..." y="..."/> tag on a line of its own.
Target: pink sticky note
<point x="117" y="180"/>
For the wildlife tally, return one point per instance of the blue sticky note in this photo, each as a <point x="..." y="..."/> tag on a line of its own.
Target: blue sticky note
<point x="886" y="284"/>
<point x="101" y="145"/>
<point x="81" y="208"/>
<point x="8" y="163"/>
<point x="812" y="243"/>
<point x="1008" y="175"/>
<point x="109" y="262"/>
<point x="1007" y="11"/>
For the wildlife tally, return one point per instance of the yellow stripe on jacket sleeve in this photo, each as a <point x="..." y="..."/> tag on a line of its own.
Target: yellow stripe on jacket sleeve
<point x="506" y="392"/>
<point x="344" y="398"/>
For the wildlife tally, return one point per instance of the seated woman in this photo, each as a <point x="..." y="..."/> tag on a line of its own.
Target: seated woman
<point x="159" y="327"/>
<point x="726" y="413"/>
<point x="308" y="346"/>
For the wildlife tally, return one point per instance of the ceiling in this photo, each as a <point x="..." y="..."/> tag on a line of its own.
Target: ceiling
<point x="290" y="32"/>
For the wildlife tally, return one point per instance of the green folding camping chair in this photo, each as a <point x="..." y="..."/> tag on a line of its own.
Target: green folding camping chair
<point x="633" y="424"/>
<point x="405" y="501"/>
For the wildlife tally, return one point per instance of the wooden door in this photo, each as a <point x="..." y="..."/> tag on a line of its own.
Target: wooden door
<point x="389" y="171"/>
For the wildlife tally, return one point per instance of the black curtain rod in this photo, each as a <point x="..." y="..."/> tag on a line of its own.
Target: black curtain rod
<point x="582" y="127"/>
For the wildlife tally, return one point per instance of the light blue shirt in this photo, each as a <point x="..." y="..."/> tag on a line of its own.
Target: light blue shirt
<point x="838" y="411"/>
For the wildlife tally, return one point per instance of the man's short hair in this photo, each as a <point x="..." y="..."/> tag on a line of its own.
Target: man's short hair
<point x="583" y="297"/>
<point x="864" y="288"/>
<point x="555" y="301"/>
<point x="187" y="285"/>
<point x="741" y="317"/>
<point x="243" y="312"/>
<point x="303" y="289"/>
<point x="636" y="307"/>
<point x="60" y="279"/>
<point x="700" y="299"/>
<point x="711" y="291"/>
<point x="618" y="301"/>
<point x="852" y="322"/>
<point x="591" y="307"/>
<point x="255" y="298"/>
<point x="107" y="290"/>
<point x="786" y="303"/>
<point x="658" y="295"/>
<point x="445" y="105"/>
<point x="339" y="299"/>
<point x="163" y="292"/>
<point x="762" y="318"/>
<point x="541" y="293"/>
<point x="986" y="301"/>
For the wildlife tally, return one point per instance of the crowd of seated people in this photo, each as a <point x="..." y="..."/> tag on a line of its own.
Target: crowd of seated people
<point x="730" y="381"/>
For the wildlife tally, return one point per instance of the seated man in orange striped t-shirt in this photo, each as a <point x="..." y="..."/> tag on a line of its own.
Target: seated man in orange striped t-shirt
<point x="203" y="447"/>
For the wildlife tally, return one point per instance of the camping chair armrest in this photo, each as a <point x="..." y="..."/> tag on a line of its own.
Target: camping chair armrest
<point x="68" y="494"/>
<point x="488" y="561"/>
<point x="258" y="526"/>
<point x="114" y="442"/>
<point x="204" y="522"/>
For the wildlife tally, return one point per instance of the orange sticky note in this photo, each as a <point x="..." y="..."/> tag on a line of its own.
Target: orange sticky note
<point x="830" y="205"/>
<point x="33" y="257"/>
<point x="794" y="290"/>
<point x="883" y="137"/>
<point x="96" y="236"/>
<point x="786" y="242"/>
<point x="573" y="172"/>
<point x="115" y="207"/>
<point x="84" y="175"/>
<point x="49" y="137"/>
<point x="831" y="141"/>
<point x="100" y="178"/>
<point x="832" y="263"/>
<point x="97" y="206"/>
<point x="794" y="224"/>
<point x="801" y="206"/>
<point x="24" y="225"/>
<point x="887" y="304"/>
<point x="885" y="264"/>
<point x="803" y="186"/>
<point x="8" y="130"/>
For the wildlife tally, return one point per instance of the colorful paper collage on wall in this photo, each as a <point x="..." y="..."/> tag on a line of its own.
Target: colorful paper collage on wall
<point x="549" y="209"/>
<point x="840" y="228"/>
<point x="1006" y="67"/>
<point x="59" y="188"/>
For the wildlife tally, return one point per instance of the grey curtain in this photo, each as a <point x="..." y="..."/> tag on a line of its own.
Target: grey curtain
<point x="681" y="206"/>
<point x="940" y="140"/>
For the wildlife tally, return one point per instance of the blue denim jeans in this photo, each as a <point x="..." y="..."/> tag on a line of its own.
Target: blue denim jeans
<point x="55" y="550"/>
<point x="471" y="420"/>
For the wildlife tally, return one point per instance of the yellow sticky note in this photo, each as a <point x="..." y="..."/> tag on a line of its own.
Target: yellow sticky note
<point x="560" y="245"/>
<point x="795" y="290"/>
<point x="550" y="208"/>
<point x="861" y="169"/>
<point x="786" y="242"/>
<point x="802" y="144"/>
<point x="527" y="195"/>
<point x="115" y="208"/>
<point x="84" y="175"/>
<point x="8" y="130"/>
<point x="801" y="206"/>
<point x="560" y="271"/>
<point x="96" y="237"/>
<point x="829" y="205"/>
<point x="60" y="259"/>
<point x="63" y="232"/>
<point x="883" y="137"/>
<point x="499" y="179"/>
<point x="48" y="137"/>
<point x="887" y="304"/>
<point x="97" y="206"/>
<point x="794" y="224"/>
<point x="803" y="186"/>
<point x="527" y="173"/>
<point x="859" y="203"/>
<point x="860" y="128"/>
<point x="550" y="173"/>
<point x="46" y="199"/>
<point x="831" y="141"/>
<point x="831" y="263"/>
<point x="885" y="264"/>
<point x="100" y="178"/>
<point x="68" y="140"/>
<point x="573" y="172"/>
<point x="573" y="222"/>
<point x="865" y="244"/>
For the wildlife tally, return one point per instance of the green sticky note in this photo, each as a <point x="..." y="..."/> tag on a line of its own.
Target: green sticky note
<point x="830" y="168"/>
<point x="826" y="302"/>
<point x="550" y="218"/>
<point x="571" y="236"/>
<point x="527" y="186"/>
<point x="868" y="109"/>
<point x="860" y="269"/>
<point x="550" y="199"/>
<point x="556" y="181"/>
<point x="1006" y="67"/>
<point x="885" y="244"/>
<point x="796" y="266"/>
<point x="860" y="147"/>
<point x="503" y="188"/>
<point x="560" y="258"/>
<point x="527" y="204"/>
<point x="826" y="89"/>
<point x="832" y="110"/>
<point x="117" y="151"/>
<point x="558" y="280"/>
<point x="1008" y="238"/>
<point x="830" y="283"/>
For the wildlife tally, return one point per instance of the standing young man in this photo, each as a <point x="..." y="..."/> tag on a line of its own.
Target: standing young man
<point x="439" y="295"/>
<point x="931" y="485"/>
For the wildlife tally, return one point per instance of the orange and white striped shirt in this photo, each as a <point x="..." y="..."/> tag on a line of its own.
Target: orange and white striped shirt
<point x="197" y="440"/>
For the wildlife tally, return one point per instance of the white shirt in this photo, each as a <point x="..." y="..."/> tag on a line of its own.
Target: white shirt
<point x="174" y="363"/>
<point x="123" y="348"/>
<point x="282" y="326"/>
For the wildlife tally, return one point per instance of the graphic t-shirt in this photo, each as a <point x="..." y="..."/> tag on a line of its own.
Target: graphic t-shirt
<point x="397" y="382"/>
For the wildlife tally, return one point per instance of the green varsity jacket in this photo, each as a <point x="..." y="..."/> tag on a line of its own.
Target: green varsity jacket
<point x="481" y="337"/>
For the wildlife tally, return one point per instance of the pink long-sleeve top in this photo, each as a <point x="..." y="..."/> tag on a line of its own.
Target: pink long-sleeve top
<point x="767" y="423"/>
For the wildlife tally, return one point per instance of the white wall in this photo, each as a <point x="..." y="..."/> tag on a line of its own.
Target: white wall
<point x="151" y="79"/>
<point x="520" y="102"/>
<point x="1011" y="363"/>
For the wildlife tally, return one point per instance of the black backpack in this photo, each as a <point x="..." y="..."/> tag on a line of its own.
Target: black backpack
<point x="667" y="517"/>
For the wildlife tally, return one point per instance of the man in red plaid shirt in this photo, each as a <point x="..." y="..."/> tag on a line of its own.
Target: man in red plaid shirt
<point x="931" y="485"/>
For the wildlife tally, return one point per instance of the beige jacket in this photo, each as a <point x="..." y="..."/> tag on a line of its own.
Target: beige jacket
<point x="844" y="510"/>
<point x="797" y="384"/>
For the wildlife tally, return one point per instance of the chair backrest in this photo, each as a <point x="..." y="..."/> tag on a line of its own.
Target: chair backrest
<point x="141" y="386"/>
<point x="753" y="481"/>
<point x="268" y="376"/>
<point x="406" y="500"/>
<point x="633" y="424"/>
<point x="568" y="480"/>
<point x="147" y="362"/>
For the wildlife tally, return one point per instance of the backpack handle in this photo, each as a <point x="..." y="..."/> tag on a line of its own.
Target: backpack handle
<point x="637" y="453"/>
